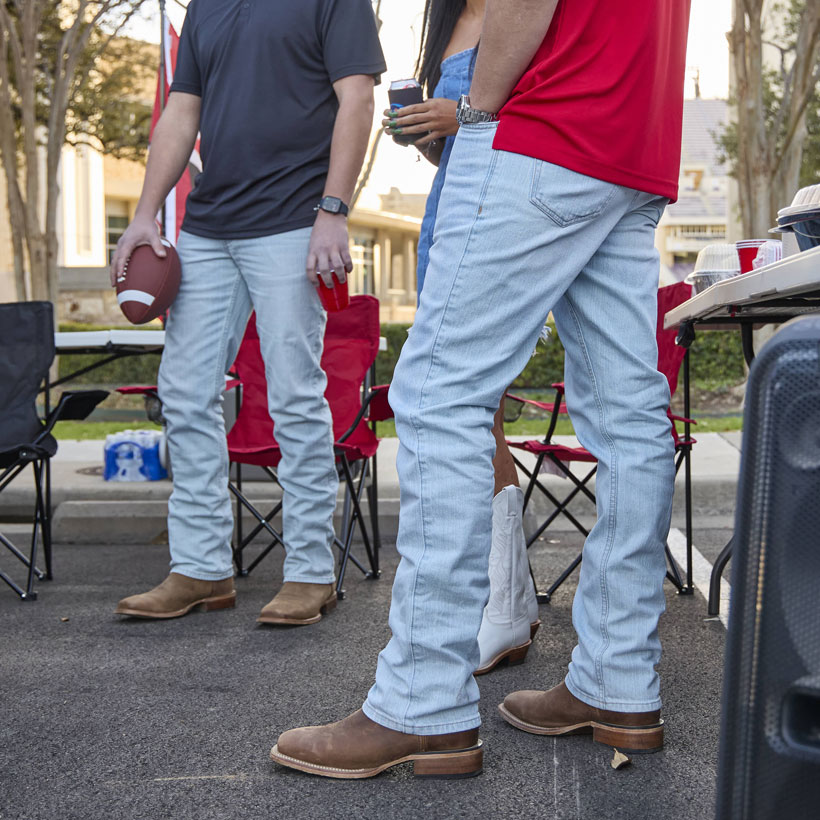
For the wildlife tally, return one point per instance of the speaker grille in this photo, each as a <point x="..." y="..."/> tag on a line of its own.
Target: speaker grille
<point x="770" y="748"/>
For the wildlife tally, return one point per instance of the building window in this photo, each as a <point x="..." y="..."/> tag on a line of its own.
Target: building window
<point x="115" y="227"/>
<point x="361" y="280"/>
<point x="83" y="199"/>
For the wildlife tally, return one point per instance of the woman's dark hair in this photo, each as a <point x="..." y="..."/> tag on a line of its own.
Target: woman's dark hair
<point x="440" y="18"/>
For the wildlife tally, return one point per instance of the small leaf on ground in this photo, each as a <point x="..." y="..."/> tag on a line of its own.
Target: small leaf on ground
<point x="619" y="760"/>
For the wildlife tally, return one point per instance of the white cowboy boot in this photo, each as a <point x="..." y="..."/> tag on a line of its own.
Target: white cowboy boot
<point x="511" y="615"/>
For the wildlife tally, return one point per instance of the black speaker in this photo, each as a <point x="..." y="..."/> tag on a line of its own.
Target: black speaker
<point x="770" y="738"/>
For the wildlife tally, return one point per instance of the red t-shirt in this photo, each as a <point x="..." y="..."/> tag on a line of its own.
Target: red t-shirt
<point x="603" y="95"/>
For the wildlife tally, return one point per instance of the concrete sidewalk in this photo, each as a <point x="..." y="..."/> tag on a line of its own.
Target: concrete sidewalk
<point x="88" y="509"/>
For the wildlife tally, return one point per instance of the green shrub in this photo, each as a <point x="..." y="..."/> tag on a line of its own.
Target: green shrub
<point x="125" y="371"/>
<point x="717" y="359"/>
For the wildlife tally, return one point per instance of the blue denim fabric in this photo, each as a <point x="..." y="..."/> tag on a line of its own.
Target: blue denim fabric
<point x="516" y="238"/>
<point x="456" y="76"/>
<point x="222" y="281"/>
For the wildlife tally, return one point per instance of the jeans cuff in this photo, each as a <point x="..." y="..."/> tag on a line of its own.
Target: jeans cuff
<point x="309" y="579"/>
<point x="612" y="705"/>
<point x="405" y="728"/>
<point x="201" y="575"/>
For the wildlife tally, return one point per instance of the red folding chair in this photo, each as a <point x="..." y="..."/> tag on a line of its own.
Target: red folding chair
<point x="562" y="457"/>
<point x="350" y="348"/>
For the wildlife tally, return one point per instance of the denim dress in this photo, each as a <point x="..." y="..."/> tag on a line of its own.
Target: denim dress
<point x="456" y="76"/>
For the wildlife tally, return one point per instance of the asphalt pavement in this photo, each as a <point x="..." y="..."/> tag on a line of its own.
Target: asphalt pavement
<point x="105" y="717"/>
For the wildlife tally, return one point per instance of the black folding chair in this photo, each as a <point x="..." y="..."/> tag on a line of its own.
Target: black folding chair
<point x="26" y="353"/>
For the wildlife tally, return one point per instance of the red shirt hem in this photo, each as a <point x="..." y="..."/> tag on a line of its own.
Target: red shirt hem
<point x="517" y="137"/>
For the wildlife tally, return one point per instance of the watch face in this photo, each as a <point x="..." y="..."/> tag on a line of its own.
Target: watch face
<point x="332" y="204"/>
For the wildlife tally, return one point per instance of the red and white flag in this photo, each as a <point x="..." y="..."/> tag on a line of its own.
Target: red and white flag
<point x="175" y="202"/>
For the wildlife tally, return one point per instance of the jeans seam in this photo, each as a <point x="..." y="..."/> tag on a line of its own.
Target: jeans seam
<point x="223" y="339"/>
<point x="417" y="426"/>
<point x="610" y="538"/>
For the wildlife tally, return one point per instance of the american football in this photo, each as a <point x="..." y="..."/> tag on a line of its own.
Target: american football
<point x="149" y="284"/>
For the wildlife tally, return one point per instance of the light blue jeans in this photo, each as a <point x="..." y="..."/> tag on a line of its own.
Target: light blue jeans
<point x="516" y="238"/>
<point x="222" y="281"/>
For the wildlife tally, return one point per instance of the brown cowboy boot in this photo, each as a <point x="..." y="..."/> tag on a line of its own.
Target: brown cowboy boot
<point x="559" y="712"/>
<point x="356" y="747"/>
<point x="298" y="604"/>
<point x="178" y="595"/>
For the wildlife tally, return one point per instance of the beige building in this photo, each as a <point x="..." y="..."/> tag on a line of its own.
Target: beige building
<point x="702" y="213"/>
<point x="98" y="199"/>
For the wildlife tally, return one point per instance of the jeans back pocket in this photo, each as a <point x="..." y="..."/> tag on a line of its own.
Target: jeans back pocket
<point x="568" y="197"/>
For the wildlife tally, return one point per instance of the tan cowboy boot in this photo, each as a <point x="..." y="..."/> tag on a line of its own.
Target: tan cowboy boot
<point x="356" y="747"/>
<point x="559" y="712"/>
<point x="299" y="604"/>
<point x="178" y="595"/>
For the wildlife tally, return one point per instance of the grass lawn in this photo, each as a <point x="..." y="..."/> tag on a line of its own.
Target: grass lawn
<point x="83" y="430"/>
<point x="537" y="429"/>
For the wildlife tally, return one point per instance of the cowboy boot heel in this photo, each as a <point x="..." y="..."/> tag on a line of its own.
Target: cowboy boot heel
<point x="221" y="602"/>
<point x="638" y="740"/>
<point x="450" y="765"/>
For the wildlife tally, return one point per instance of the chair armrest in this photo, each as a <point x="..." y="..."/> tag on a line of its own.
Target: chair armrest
<point x="74" y="405"/>
<point x="137" y="390"/>
<point x="547" y="407"/>
<point x="380" y="409"/>
<point x="377" y="395"/>
<point x="682" y="419"/>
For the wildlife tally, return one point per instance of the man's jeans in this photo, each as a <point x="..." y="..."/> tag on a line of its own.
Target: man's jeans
<point x="222" y="281"/>
<point x="516" y="238"/>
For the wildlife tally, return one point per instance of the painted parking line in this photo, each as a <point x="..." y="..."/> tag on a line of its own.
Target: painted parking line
<point x="701" y="571"/>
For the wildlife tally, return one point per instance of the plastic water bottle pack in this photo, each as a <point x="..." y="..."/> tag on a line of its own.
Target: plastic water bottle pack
<point x="135" y="455"/>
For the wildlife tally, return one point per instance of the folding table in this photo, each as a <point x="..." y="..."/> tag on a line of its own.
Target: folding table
<point x="770" y="295"/>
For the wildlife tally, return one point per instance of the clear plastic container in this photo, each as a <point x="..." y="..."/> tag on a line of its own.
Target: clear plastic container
<point x="718" y="257"/>
<point x="702" y="279"/>
<point x="768" y="253"/>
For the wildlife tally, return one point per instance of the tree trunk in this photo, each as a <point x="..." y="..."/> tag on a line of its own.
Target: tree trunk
<point x="38" y="265"/>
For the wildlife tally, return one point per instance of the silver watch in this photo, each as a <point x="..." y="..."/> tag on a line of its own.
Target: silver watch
<point x="467" y="115"/>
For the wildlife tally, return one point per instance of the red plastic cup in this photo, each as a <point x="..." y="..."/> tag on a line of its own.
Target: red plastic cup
<point x="336" y="298"/>
<point x="747" y="251"/>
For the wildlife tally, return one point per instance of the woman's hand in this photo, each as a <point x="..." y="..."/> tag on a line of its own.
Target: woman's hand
<point x="435" y="119"/>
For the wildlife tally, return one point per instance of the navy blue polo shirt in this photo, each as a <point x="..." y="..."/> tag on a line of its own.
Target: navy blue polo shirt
<point x="264" y="70"/>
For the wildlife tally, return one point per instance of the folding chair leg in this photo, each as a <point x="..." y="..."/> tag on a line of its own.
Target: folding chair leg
<point x="689" y="589"/>
<point x="237" y="553"/>
<point x="717" y="574"/>
<point x="545" y="597"/>
<point x="673" y="571"/>
<point x="532" y="477"/>
<point x="263" y="524"/>
<point x="347" y="524"/>
<point x="18" y="589"/>
<point x="45" y="524"/>
<point x="26" y="594"/>
<point x="373" y="502"/>
<point x="357" y="515"/>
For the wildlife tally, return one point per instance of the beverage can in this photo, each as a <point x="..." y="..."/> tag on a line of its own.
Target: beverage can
<point x="401" y="93"/>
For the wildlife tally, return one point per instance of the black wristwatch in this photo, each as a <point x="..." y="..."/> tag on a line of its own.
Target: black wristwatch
<point x="332" y="205"/>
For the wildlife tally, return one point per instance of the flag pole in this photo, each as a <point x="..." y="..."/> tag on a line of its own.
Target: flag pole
<point x="162" y="80"/>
